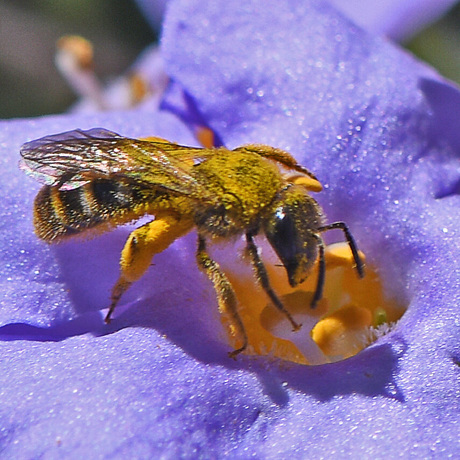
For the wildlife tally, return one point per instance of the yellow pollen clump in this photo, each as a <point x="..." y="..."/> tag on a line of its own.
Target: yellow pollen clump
<point x="340" y="335"/>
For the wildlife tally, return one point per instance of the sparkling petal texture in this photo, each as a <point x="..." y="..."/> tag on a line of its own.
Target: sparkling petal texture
<point x="380" y="131"/>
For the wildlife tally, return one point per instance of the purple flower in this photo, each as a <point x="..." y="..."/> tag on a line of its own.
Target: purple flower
<point x="380" y="131"/>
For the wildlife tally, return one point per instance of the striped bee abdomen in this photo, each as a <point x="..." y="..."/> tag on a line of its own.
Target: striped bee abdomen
<point x="64" y="213"/>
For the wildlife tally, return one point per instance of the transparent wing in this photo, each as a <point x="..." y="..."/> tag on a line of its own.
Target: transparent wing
<point x="74" y="158"/>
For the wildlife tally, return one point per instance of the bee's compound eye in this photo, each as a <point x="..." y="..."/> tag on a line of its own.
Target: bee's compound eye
<point x="282" y="235"/>
<point x="290" y="230"/>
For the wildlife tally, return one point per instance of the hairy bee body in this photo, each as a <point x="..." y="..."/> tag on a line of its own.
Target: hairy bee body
<point x="101" y="203"/>
<point x="245" y="184"/>
<point x="96" y="179"/>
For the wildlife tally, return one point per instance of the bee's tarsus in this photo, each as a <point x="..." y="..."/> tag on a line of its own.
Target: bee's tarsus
<point x="108" y="319"/>
<point x="233" y="354"/>
<point x="117" y="291"/>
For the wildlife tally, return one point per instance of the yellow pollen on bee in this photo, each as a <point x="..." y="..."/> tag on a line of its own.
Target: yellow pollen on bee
<point x="308" y="182"/>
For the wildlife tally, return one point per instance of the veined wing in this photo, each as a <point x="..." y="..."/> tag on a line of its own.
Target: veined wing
<point x="74" y="158"/>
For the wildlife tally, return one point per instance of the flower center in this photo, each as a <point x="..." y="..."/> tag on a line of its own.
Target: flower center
<point x="352" y="314"/>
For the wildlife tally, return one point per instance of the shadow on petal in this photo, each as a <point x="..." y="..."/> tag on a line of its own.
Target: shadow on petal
<point x="371" y="373"/>
<point x="79" y="326"/>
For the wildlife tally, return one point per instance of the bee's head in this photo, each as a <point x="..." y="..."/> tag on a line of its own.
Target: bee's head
<point x="291" y="228"/>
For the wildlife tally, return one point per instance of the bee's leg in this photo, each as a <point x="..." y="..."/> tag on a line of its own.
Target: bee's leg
<point x="351" y="242"/>
<point x="142" y="244"/>
<point x="262" y="277"/>
<point x="226" y="298"/>
<point x="321" y="272"/>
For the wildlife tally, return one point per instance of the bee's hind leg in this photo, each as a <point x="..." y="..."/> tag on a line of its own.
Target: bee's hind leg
<point x="140" y="247"/>
<point x="117" y="291"/>
<point x="226" y="298"/>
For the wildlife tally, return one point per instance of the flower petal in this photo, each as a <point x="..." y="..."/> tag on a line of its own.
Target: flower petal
<point x="361" y="115"/>
<point x="353" y="109"/>
<point x="397" y="19"/>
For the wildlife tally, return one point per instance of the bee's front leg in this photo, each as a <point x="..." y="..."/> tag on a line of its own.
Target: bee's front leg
<point x="142" y="244"/>
<point x="226" y="298"/>
<point x="262" y="277"/>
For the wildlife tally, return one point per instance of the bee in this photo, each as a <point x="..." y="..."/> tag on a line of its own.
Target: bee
<point x="95" y="180"/>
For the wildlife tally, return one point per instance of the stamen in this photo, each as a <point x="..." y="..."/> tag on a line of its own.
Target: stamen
<point x="145" y="81"/>
<point x="74" y="59"/>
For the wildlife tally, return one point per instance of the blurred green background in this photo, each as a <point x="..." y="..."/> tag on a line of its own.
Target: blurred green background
<point x="30" y="85"/>
<point x="439" y="45"/>
<point x="29" y="30"/>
